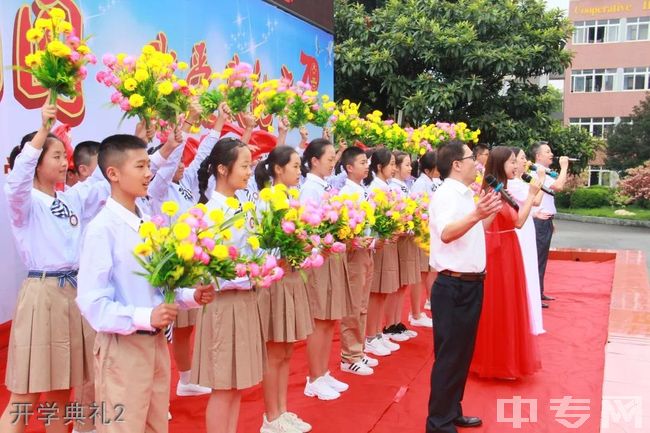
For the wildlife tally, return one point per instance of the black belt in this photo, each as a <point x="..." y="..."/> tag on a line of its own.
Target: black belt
<point x="63" y="276"/>
<point x="464" y="276"/>
<point x="150" y="333"/>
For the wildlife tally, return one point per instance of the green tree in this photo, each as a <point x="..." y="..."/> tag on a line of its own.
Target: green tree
<point x="629" y="144"/>
<point x="466" y="60"/>
<point x="573" y="141"/>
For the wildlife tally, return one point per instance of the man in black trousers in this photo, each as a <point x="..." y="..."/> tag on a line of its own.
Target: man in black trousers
<point x="544" y="214"/>
<point x="458" y="254"/>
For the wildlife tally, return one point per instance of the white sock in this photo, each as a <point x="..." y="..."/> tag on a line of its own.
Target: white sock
<point x="184" y="377"/>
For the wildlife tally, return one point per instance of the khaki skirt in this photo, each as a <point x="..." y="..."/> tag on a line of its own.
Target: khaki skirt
<point x="285" y="311"/>
<point x="186" y="318"/>
<point x="409" y="261"/>
<point x="328" y="289"/>
<point x="229" y="349"/>
<point x="385" y="276"/>
<point x="50" y="344"/>
<point x="424" y="261"/>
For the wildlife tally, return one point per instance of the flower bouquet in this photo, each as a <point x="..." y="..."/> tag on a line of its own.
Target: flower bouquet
<point x="240" y="82"/>
<point x="322" y="111"/>
<point x="387" y="217"/>
<point x="298" y="110"/>
<point x="59" y="65"/>
<point x="272" y="98"/>
<point x="346" y="123"/>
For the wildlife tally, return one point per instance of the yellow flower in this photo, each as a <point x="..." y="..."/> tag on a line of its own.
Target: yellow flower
<point x="280" y="203"/>
<point x="325" y="98"/>
<point x="143" y="249"/>
<point x="57" y="13"/>
<point x="141" y="75"/>
<point x="136" y="100"/>
<point x="58" y="48"/>
<point x="83" y="49"/>
<point x="226" y="234"/>
<point x="185" y="250"/>
<point x="294" y="193"/>
<point x="147" y="229"/>
<point x="232" y="203"/>
<point x="217" y="216"/>
<point x="43" y="24"/>
<point x="165" y="88"/>
<point x="33" y="60"/>
<point x="182" y="66"/>
<point x="291" y="215"/>
<point x="206" y="234"/>
<point x="148" y="49"/>
<point x="182" y="231"/>
<point x="169" y="208"/>
<point x="178" y="272"/>
<point x="34" y="35"/>
<point x="396" y="216"/>
<point x="64" y="27"/>
<point x="120" y="58"/>
<point x="219" y="251"/>
<point x="248" y="206"/>
<point x="205" y="83"/>
<point x="254" y="242"/>
<point x="130" y="84"/>
<point x="239" y="224"/>
<point x="266" y="194"/>
<point x="203" y="208"/>
<point x="271" y="129"/>
<point x="182" y="83"/>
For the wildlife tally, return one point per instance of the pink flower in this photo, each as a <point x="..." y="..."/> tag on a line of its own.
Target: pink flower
<point x="192" y="222"/>
<point x="315" y="240"/>
<point x="232" y="252"/>
<point x="240" y="270"/>
<point x="338" y="247"/>
<point x="254" y="269"/>
<point x="101" y="76"/>
<point x="109" y="60"/>
<point x="158" y="220"/>
<point x="90" y="58"/>
<point x="83" y="72"/>
<point x="208" y="243"/>
<point x="129" y="61"/>
<point x="269" y="264"/>
<point x="197" y="252"/>
<point x="205" y="258"/>
<point x="195" y="211"/>
<point x="288" y="227"/>
<point x="73" y="41"/>
<point x="125" y="105"/>
<point x="237" y="83"/>
<point x="74" y="56"/>
<point x="328" y="239"/>
<point x="277" y="273"/>
<point x="317" y="261"/>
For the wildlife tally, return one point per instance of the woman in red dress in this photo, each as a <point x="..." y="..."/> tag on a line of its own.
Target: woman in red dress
<point x="505" y="346"/>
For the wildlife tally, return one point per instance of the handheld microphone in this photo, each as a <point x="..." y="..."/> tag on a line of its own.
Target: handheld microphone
<point x="570" y="159"/>
<point x="554" y="174"/>
<point x="498" y="187"/>
<point x="527" y="178"/>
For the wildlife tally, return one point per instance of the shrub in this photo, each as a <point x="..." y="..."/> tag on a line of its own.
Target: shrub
<point x="637" y="184"/>
<point x="592" y="197"/>
<point x="563" y="199"/>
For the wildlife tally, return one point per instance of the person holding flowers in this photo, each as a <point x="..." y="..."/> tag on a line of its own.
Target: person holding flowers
<point x="127" y="312"/>
<point x="385" y="279"/>
<point x="360" y="265"/>
<point x="328" y="285"/>
<point x="40" y="215"/>
<point x="229" y="349"/>
<point x="286" y="315"/>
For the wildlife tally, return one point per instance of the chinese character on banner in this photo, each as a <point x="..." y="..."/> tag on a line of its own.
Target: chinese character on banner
<point x="563" y="405"/>
<point x="21" y="411"/>
<point x="48" y="412"/>
<point x="26" y="90"/>
<point x="199" y="67"/>
<point x="517" y="418"/>
<point x="160" y="44"/>
<point x="312" y="70"/>
<point x="622" y="410"/>
<point x="286" y="74"/>
<point x="74" y="412"/>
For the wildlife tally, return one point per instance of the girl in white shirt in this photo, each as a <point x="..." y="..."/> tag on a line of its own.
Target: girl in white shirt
<point x="328" y="286"/>
<point x="385" y="278"/>
<point x="229" y="350"/>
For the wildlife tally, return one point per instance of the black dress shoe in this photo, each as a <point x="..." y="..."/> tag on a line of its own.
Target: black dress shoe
<point x="547" y="298"/>
<point x="544" y="305"/>
<point x="468" y="421"/>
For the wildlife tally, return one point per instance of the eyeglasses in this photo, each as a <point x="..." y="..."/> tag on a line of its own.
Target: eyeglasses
<point x="467" y="157"/>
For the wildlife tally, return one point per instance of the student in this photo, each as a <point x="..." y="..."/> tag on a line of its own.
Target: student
<point x="360" y="268"/>
<point x="286" y="316"/>
<point x="423" y="185"/>
<point x="132" y="367"/>
<point x="85" y="159"/>
<point x="50" y="345"/>
<point x="229" y="349"/>
<point x="408" y="256"/>
<point x="328" y="286"/>
<point x="385" y="278"/>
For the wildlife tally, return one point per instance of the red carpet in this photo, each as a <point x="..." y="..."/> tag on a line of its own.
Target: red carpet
<point x="394" y="399"/>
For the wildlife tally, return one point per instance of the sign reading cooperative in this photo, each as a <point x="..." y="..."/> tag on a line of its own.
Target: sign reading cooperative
<point x="613" y="8"/>
<point x="318" y="12"/>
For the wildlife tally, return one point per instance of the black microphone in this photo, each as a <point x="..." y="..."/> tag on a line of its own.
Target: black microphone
<point x="498" y="187"/>
<point x="527" y="178"/>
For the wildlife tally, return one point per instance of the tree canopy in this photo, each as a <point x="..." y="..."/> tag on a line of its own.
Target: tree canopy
<point x="629" y="144"/>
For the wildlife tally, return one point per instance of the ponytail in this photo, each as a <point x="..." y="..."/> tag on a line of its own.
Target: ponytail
<point x="315" y="149"/>
<point x="204" y="173"/>
<point x="225" y="153"/>
<point x="379" y="157"/>
<point x="265" y="170"/>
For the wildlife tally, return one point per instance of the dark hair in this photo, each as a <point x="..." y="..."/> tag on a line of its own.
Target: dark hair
<point x="83" y="152"/>
<point x="379" y="156"/>
<point x="400" y="156"/>
<point x="534" y="150"/>
<point x="480" y="147"/>
<point x="26" y="139"/>
<point x="265" y="170"/>
<point x="224" y="152"/>
<point x="516" y="150"/>
<point x="426" y="162"/>
<point x="113" y="149"/>
<point x="452" y="151"/>
<point x="494" y="166"/>
<point x="315" y="149"/>
<point x="347" y="158"/>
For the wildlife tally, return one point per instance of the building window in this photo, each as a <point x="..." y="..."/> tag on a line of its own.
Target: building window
<point x="636" y="78"/>
<point x="597" y="126"/>
<point x="592" y="80"/>
<point x="598" y="175"/>
<point x="595" y="32"/>
<point x="637" y="29"/>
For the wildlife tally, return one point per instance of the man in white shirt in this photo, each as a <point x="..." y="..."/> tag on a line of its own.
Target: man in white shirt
<point x="544" y="214"/>
<point x="458" y="254"/>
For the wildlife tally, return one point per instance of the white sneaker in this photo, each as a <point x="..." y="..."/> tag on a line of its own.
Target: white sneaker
<point x="370" y="362"/>
<point x="400" y="337"/>
<point x="189" y="389"/>
<point x="427" y="305"/>
<point x="376" y="347"/>
<point x="321" y="389"/>
<point x="423" y="321"/>
<point x="335" y="384"/>
<point x="388" y="344"/>
<point x="294" y="420"/>
<point x="279" y="425"/>
<point x="357" y="368"/>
